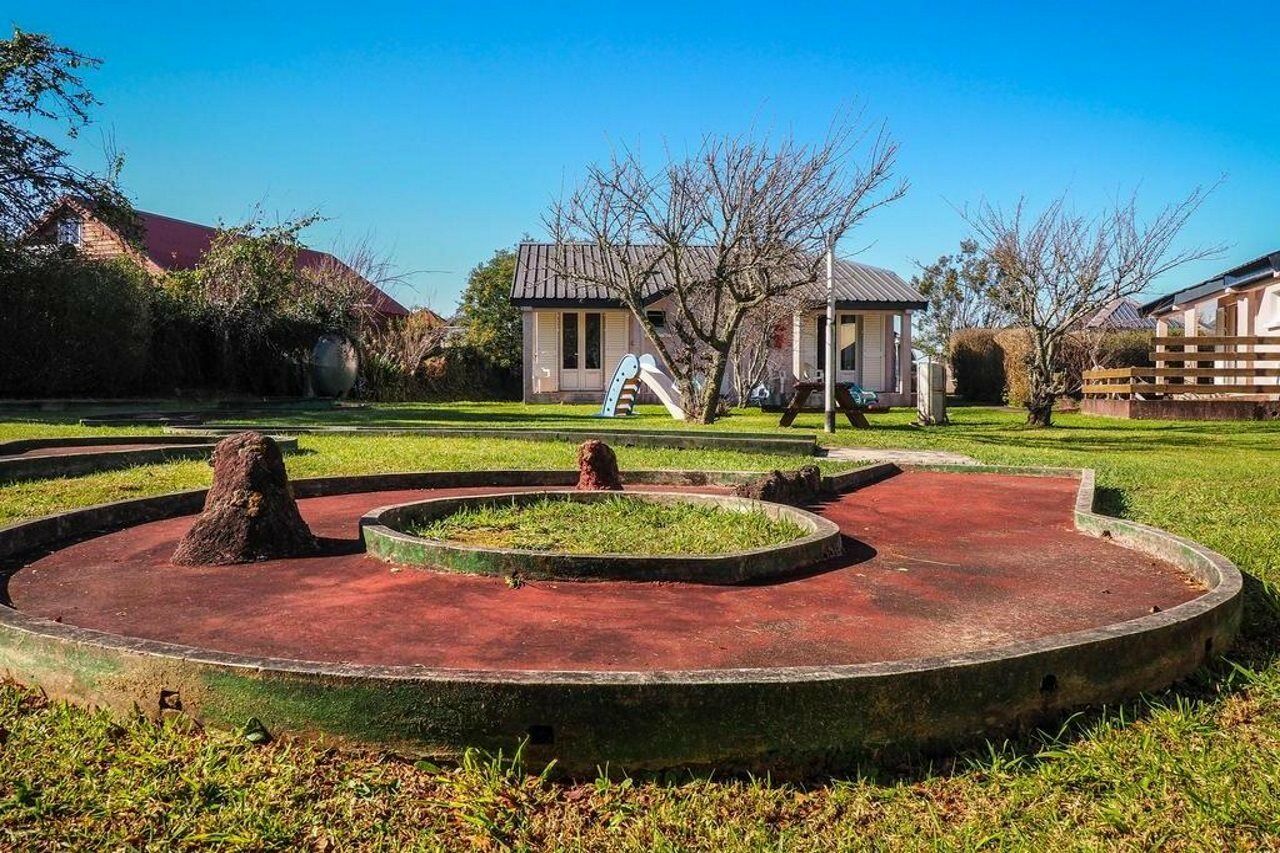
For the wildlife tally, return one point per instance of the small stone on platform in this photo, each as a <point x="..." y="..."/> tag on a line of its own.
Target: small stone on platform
<point x="795" y="488"/>
<point x="249" y="513"/>
<point x="598" y="467"/>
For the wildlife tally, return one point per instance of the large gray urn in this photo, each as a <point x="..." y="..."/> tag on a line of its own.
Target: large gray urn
<point x="334" y="365"/>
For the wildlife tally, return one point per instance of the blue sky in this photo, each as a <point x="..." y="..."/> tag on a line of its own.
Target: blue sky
<point x="442" y="131"/>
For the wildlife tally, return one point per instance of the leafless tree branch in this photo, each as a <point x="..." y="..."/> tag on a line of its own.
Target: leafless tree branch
<point x="737" y="223"/>
<point x="1058" y="267"/>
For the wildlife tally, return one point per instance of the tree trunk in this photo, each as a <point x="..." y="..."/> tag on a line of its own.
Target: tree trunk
<point x="1040" y="410"/>
<point x="1043" y="386"/>
<point x="709" y="405"/>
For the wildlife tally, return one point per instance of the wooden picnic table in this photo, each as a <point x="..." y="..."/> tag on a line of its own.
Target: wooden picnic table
<point x="844" y="402"/>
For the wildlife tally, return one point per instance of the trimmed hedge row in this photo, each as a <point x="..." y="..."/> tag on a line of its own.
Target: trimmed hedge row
<point x="990" y="365"/>
<point x="85" y="328"/>
<point x="72" y="328"/>
<point x="977" y="365"/>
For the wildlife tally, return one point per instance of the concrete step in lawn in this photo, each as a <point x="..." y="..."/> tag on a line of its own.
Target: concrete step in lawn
<point x="900" y="457"/>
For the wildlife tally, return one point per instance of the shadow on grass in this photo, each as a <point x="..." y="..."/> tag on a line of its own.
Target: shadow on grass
<point x="1110" y="501"/>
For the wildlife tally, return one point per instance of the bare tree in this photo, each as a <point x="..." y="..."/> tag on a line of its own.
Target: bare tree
<point x="1058" y="267"/>
<point x="735" y="224"/>
<point x="406" y="342"/>
<point x="355" y="283"/>
<point x="755" y="355"/>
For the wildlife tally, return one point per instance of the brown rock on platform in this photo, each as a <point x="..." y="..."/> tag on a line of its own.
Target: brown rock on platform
<point x="598" y="467"/>
<point x="796" y="488"/>
<point x="249" y="513"/>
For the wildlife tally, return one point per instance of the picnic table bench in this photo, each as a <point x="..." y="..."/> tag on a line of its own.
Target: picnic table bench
<point x="853" y="409"/>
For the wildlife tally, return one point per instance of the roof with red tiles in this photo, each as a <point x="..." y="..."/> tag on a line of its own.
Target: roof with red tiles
<point x="175" y="244"/>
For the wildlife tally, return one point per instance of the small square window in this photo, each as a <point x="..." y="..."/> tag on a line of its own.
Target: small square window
<point x="69" y="231"/>
<point x="657" y="319"/>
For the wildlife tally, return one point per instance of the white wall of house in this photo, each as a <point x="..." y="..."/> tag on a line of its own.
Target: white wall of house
<point x="561" y="358"/>
<point x="1251" y="312"/>
<point x="572" y="352"/>
<point x="865" y="351"/>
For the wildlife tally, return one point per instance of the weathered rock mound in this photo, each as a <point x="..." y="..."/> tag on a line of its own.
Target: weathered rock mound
<point x="795" y="488"/>
<point x="598" y="467"/>
<point x="249" y="513"/>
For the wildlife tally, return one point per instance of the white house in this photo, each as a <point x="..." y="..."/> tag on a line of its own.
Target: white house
<point x="575" y="332"/>
<point x="1237" y="313"/>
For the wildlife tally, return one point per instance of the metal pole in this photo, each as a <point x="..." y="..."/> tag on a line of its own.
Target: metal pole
<point x="829" y="407"/>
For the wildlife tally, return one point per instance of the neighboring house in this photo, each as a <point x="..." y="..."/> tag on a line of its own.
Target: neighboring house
<point x="165" y="243"/>
<point x="575" y="333"/>
<point x="1241" y="301"/>
<point x="455" y="333"/>
<point x="1122" y="314"/>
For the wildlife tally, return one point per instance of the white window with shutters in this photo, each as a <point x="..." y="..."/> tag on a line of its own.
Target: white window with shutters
<point x="546" y="351"/>
<point x="873" y="363"/>
<point x="615" y="341"/>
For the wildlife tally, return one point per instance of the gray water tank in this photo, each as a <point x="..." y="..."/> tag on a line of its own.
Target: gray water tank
<point x="334" y="365"/>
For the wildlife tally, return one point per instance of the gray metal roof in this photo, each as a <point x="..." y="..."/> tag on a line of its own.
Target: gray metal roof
<point x="1254" y="272"/>
<point x="536" y="282"/>
<point x="1121" y="313"/>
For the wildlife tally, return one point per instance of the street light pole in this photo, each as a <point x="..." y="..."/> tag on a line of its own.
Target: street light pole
<point x="829" y="402"/>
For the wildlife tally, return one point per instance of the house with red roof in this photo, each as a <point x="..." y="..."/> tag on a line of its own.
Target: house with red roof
<point x="164" y="243"/>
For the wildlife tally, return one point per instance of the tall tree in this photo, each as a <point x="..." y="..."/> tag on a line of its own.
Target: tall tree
<point x="1058" y="267"/>
<point x="961" y="292"/>
<point x="739" y="221"/>
<point x="40" y="81"/>
<point x="492" y="323"/>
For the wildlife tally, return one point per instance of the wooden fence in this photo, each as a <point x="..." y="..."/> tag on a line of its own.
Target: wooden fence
<point x="1204" y="365"/>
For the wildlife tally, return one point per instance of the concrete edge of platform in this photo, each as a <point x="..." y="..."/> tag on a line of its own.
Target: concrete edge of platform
<point x="174" y="449"/>
<point x="1220" y="408"/>
<point x="382" y="532"/>
<point x="786" y="720"/>
<point x="799" y="445"/>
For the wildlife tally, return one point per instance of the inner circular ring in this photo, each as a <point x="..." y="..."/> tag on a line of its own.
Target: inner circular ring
<point x="381" y="531"/>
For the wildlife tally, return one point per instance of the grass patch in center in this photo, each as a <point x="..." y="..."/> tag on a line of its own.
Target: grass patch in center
<point x="616" y="525"/>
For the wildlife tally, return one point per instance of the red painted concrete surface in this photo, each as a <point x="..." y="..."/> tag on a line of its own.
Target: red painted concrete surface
<point x="936" y="563"/>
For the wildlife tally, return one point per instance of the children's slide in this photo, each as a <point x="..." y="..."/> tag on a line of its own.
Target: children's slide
<point x="620" y="396"/>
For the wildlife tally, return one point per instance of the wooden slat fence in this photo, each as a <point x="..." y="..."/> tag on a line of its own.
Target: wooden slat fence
<point x="1198" y="366"/>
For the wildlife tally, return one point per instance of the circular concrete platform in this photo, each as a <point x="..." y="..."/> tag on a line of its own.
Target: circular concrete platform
<point x="383" y="533"/>
<point x="964" y="604"/>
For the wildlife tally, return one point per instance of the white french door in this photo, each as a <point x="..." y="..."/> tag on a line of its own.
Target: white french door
<point x="581" y="351"/>
<point x="846" y="347"/>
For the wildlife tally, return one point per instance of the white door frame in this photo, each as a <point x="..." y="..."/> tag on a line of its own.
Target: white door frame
<point x="854" y="375"/>
<point x="580" y="377"/>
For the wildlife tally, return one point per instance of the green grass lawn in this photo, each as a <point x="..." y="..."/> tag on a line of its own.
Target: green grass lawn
<point x="618" y="525"/>
<point x="1197" y="767"/>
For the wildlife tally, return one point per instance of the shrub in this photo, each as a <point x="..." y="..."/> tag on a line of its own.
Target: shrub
<point x="1078" y="353"/>
<point x="72" y="327"/>
<point x="1015" y="349"/>
<point x="75" y="326"/>
<point x="1125" y="348"/>
<point x="462" y="373"/>
<point x="1075" y="355"/>
<point x="392" y="357"/>
<point x="977" y="364"/>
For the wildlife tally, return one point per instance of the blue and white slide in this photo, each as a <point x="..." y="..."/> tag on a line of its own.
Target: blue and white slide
<point x="620" y="396"/>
